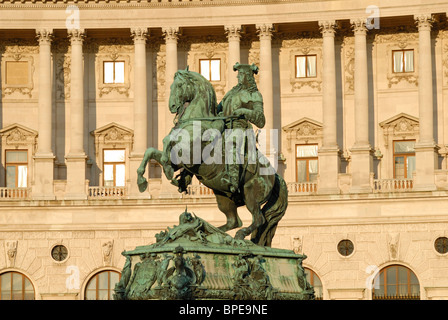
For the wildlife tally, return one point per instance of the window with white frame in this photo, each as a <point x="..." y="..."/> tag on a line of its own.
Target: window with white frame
<point x="210" y="69"/>
<point x="113" y="72"/>
<point x="114" y="167"/>
<point x="306" y="66"/>
<point x="16" y="168"/>
<point x="306" y="163"/>
<point x="404" y="159"/>
<point x="403" y="60"/>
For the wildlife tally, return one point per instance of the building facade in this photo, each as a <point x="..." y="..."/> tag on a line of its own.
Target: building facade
<point x="357" y="93"/>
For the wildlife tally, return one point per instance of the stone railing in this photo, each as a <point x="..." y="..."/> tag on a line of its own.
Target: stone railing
<point x="301" y="187"/>
<point x="199" y="191"/>
<point x="14" y="193"/>
<point x="106" y="192"/>
<point x="392" y="185"/>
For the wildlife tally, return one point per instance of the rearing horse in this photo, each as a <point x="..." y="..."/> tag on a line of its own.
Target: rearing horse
<point x="193" y="99"/>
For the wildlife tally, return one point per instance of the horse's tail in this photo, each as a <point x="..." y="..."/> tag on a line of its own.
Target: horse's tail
<point x="273" y="211"/>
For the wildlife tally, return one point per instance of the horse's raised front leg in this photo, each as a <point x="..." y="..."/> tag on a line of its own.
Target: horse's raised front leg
<point x="255" y="192"/>
<point x="229" y="208"/>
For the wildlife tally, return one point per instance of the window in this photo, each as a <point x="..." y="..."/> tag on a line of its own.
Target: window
<point x="441" y="245"/>
<point x="210" y="69"/>
<point x="314" y="280"/>
<point x="114" y="168"/>
<point x="306" y="163"/>
<point x="101" y="286"/>
<point x="345" y="247"/>
<point x="306" y="66"/>
<point x="404" y="159"/>
<point x="17" y="73"/>
<point x="16" y="168"/>
<point x="113" y="71"/>
<point x="403" y="60"/>
<point x="396" y="283"/>
<point x="59" y="253"/>
<point x="15" y="286"/>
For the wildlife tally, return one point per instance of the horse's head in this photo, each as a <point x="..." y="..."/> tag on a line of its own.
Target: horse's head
<point x="187" y="86"/>
<point x="182" y="90"/>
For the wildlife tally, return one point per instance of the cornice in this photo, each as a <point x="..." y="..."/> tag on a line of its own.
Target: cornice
<point x="94" y="4"/>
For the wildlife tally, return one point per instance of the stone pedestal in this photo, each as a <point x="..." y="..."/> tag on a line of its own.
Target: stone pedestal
<point x="195" y="260"/>
<point x="328" y="176"/>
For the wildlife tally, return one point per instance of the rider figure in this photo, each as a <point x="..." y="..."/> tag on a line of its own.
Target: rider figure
<point x="245" y="102"/>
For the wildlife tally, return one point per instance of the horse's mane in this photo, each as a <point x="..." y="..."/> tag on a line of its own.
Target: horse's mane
<point x="202" y="86"/>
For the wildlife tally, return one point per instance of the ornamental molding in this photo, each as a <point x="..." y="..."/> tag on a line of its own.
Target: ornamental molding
<point x="393" y="78"/>
<point x="304" y="43"/>
<point x="85" y="4"/>
<point x="18" y="51"/>
<point x="17" y="136"/>
<point x="112" y="135"/>
<point x="304" y="131"/>
<point x="11" y="252"/>
<point x="113" y="53"/>
<point x="401" y="126"/>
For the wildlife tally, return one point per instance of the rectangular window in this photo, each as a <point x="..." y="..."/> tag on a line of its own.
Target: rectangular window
<point x="306" y="66"/>
<point x="403" y="60"/>
<point x="210" y="69"/>
<point x="114" y="168"/>
<point x="17" y="73"/>
<point x="404" y="159"/>
<point x="113" y="71"/>
<point x="16" y="168"/>
<point x="306" y="163"/>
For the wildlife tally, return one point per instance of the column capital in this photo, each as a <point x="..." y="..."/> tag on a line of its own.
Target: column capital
<point x="265" y="31"/>
<point x="44" y="35"/>
<point x="233" y="32"/>
<point x="76" y="35"/>
<point x="424" y="21"/>
<point x="139" y="34"/>
<point x="171" y="33"/>
<point x="359" y="26"/>
<point x="327" y="28"/>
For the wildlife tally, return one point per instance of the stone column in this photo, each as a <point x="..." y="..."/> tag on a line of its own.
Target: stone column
<point x="171" y="34"/>
<point x="44" y="158"/>
<point x="361" y="152"/>
<point x="266" y="88"/>
<point x="425" y="149"/>
<point x="233" y="35"/>
<point x="76" y="158"/>
<point x="139" y="34"/>
<point x="329" y="152"/>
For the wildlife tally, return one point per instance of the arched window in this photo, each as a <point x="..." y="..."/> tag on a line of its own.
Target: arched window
<point x="396" y="283"/>
<point x="101" y="286"/>
<point x="314" y="280"/>
<point x="15" y="286"/>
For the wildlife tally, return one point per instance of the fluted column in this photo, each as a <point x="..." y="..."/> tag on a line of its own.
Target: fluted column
<point x="233" y="35"/>
<point x="425" y="148"/>
<point x="44" y="157"/>
<point x="140" y="35"/>
<point x="329" y="152"/>
<point x="76" y="158"/>
<point x="166" y="118"/>
<point x="361" y="152"/>
<point x="266" y="87"/>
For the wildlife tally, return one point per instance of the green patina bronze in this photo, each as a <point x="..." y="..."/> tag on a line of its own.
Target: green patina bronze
<point x="195" y="260"/>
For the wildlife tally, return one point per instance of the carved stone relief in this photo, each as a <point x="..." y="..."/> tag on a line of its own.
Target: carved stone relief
<point x="107" y="248"/>
<point x="303" y="131"/>
<point x="18" y="50"/>
<point x="401" y="126"/>
<point x="303" y="43"/>
<point x="11" y="252"/>
<point x="393" y="242"/>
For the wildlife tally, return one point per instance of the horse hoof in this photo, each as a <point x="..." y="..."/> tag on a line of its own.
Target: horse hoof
<point x="240" y="235"/>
